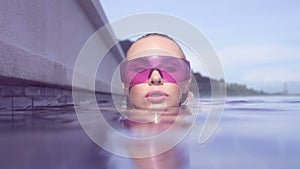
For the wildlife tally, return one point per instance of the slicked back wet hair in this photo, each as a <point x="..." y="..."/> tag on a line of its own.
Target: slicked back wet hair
<point x="159" y="35"/>
<point x="156" y="34"/>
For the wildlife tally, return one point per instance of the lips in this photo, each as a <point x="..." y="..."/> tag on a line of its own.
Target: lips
<point x="156" y="96"/>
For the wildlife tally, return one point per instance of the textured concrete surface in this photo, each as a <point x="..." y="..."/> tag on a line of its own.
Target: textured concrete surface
<point x="19" y="63"/>
<point x="40" y="40"/>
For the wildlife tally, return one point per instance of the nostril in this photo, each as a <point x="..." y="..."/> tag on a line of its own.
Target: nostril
<point x="156" y="81"/>
<point x="155" y="77"/>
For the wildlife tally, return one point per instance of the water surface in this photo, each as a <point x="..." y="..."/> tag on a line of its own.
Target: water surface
<point x="255" y="132"/>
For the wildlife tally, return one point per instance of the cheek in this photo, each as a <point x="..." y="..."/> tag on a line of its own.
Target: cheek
<point x="137" y="92"/>
<point x="174" y="92"/>
<point x="175" y="89"/>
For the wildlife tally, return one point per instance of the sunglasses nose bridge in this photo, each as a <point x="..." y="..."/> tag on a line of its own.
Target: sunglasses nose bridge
<point x="152" y="70"/>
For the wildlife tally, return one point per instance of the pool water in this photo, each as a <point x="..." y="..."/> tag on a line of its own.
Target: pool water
<point x="254" y="132"/>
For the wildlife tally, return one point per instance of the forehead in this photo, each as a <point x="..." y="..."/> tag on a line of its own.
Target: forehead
<point x="154" y="45"/>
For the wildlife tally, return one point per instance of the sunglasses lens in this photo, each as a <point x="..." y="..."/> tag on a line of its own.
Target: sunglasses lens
<point x="172" y="69"/>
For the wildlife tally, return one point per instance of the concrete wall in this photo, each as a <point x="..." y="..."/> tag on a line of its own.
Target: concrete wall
<point x="41" y="39"/>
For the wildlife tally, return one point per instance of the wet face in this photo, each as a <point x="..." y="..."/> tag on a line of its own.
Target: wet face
<point x="155" y="92"/>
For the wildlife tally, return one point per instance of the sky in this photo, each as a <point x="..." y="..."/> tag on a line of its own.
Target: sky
<point x="257" y="41"/>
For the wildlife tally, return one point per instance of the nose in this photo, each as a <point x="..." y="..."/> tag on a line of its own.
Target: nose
<point x="155" y="78"/>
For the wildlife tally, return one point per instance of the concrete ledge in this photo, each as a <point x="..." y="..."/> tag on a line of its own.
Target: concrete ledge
<point x="19" y="63"/>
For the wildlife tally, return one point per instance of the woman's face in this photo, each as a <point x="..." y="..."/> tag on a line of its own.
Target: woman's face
<point x="155" y="92"/>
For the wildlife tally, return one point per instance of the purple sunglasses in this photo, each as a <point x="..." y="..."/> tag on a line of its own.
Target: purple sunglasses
<point x="139" y="70"/>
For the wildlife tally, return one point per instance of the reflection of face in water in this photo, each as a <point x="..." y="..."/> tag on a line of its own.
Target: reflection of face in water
<point x="174" y="158"/>
<point x="155" y="73"/>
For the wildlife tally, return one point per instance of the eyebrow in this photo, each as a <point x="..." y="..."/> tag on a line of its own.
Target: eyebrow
<point x="168" y="60"/>
<point x="141" y="60"/>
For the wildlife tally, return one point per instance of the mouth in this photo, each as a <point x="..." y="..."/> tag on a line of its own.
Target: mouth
<point x="156" y="96"/>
